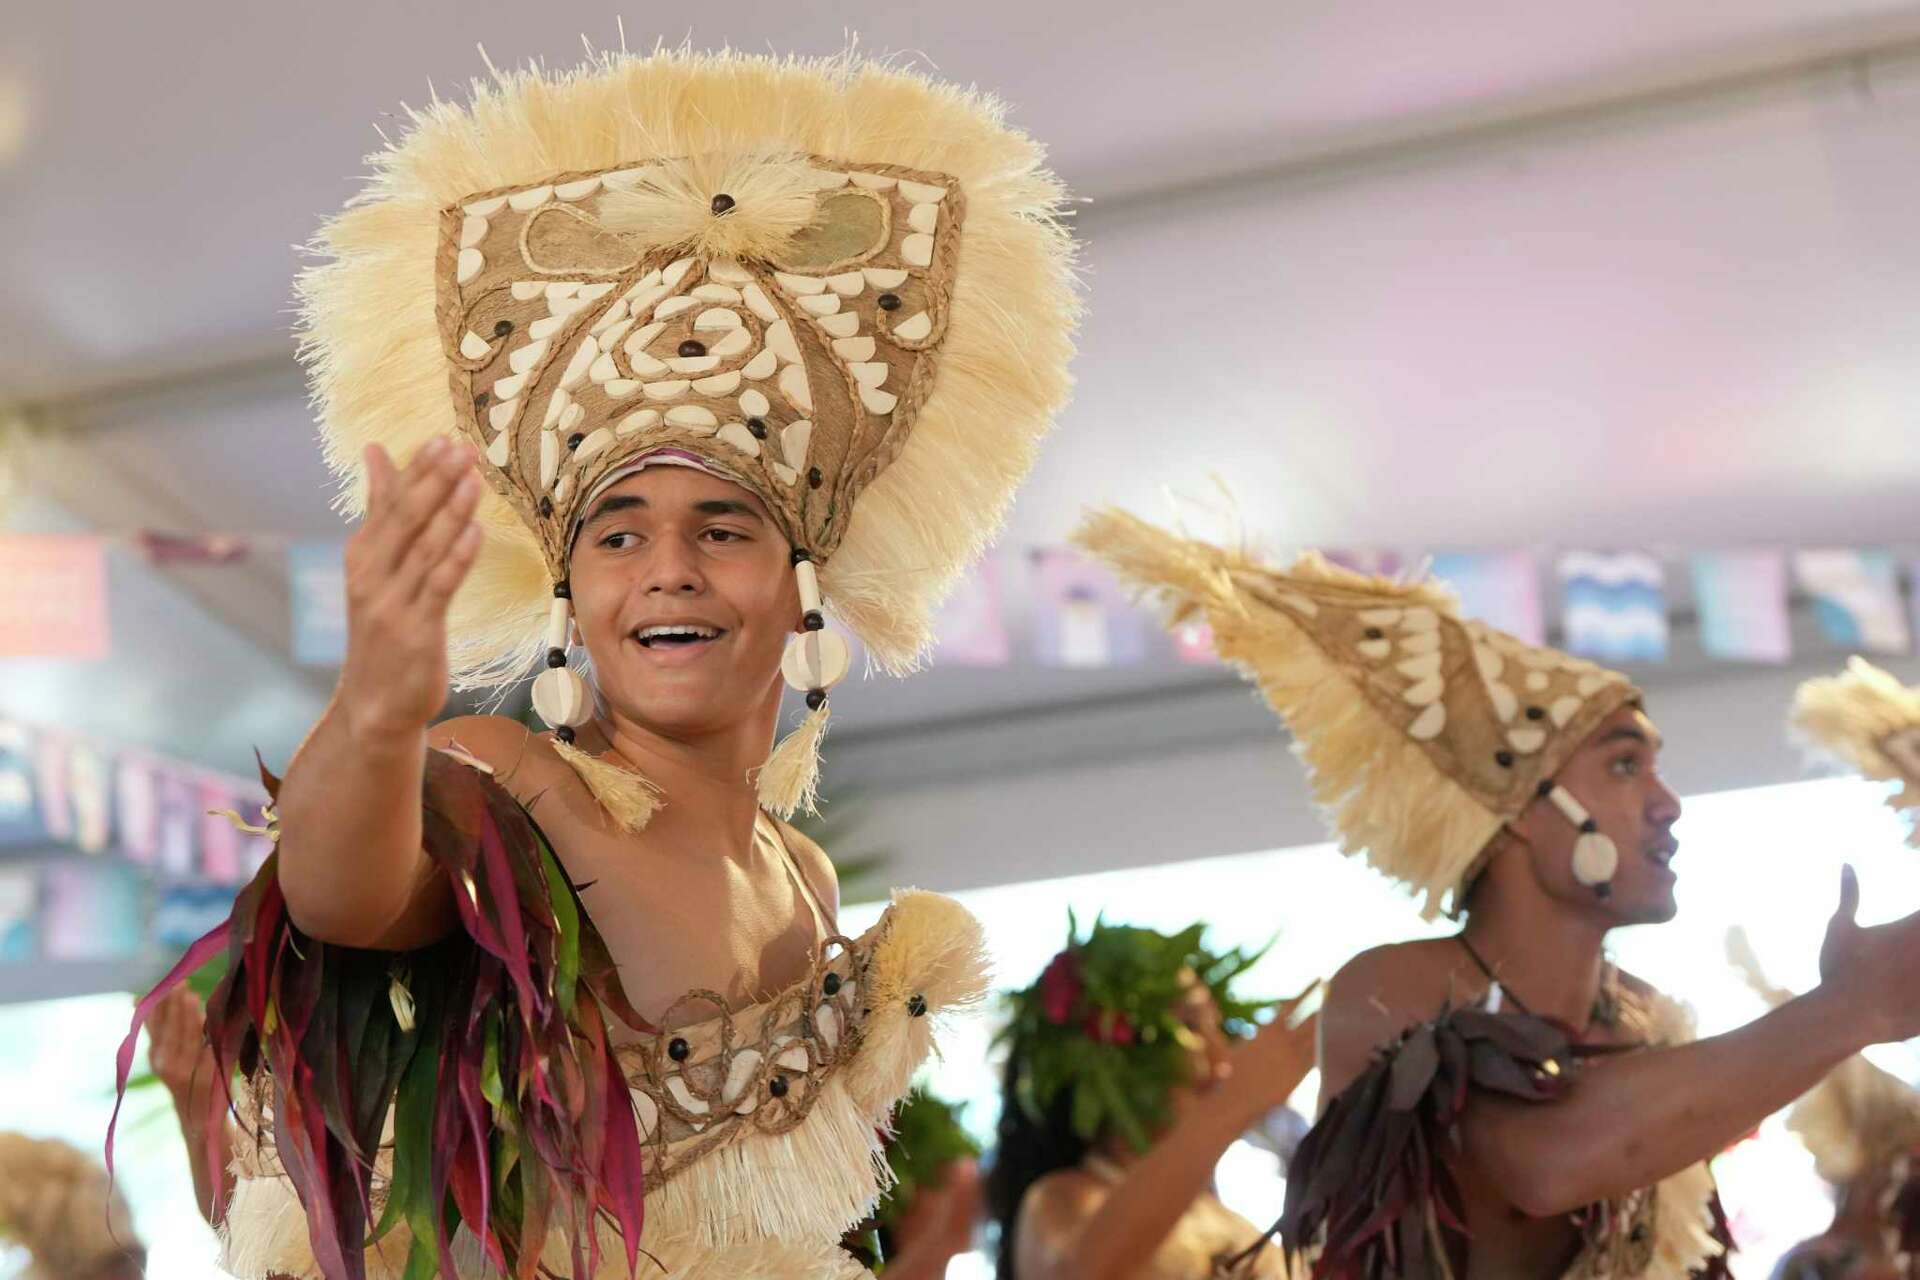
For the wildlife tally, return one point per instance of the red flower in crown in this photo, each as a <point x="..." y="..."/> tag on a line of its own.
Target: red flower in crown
<point x="1060" y="988"/>
<point x="1108" y="1027"/>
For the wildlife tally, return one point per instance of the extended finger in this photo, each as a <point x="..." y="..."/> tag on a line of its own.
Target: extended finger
<point x="1849" y="892"/>
<point x="419" y="491"/>
<point x="380" y="475"/>
<point x="437" y="537"/>
<point x="445" y="577"/>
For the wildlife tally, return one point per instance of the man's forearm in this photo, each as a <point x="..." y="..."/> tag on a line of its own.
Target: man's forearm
<point x="1630" y="1121"/>
<point x="1146" y="1205"/>
<point x="351" y="860"/>
<point x="212" y="1176"/>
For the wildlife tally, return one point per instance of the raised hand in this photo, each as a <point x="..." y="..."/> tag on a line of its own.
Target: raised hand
<point x="402" y="567"/>
<point x="1876" y="968"/>
<point x="177" y="1048"/>
<point x="1270" y="1065"/>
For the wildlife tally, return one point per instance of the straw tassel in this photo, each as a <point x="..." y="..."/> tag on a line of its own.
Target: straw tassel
<point x="628" y="798"/>
<point x="789" y="782"/>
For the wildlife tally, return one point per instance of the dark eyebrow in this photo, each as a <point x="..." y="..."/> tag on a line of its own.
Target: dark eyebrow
<point x="726" y="507"/>
<point x="1630" y="733"/>
<point x="614" y="503"/>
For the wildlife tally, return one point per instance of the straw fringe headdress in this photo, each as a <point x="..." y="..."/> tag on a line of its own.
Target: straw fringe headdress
<point x="57" y="1203"/>
<point x="1867" y="721"/>
<point x="1422" y="731"/>
<point x="841" y="285"/>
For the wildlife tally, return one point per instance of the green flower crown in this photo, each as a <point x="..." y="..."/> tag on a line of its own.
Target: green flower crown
<point x="1102" y="1025"/>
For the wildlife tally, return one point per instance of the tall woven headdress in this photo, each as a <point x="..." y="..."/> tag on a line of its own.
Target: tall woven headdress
<point x="840" y="285"/>
<point x="1867" y="721"/>
<point x="1422" y="731"/>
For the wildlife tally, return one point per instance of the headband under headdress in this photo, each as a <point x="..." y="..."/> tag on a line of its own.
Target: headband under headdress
<point x="1423" y="732"/>
<point x="841" y="286"/>
<point x="1869" y="722"/>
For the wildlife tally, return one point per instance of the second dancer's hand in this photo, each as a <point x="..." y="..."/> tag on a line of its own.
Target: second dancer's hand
<point x="1269" y="1066"/>
<point x="1871" y="968"/>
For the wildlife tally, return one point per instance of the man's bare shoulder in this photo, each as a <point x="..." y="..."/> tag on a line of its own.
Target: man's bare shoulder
<point x="1381" y="992"/>
<point x="1407" y="981"/>
<point x="522" y="761"/>
<point x="816" y="866"/>
<point x="498" y="742"/>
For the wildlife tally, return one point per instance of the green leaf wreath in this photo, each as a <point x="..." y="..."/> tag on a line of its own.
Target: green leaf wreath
<point x="1102" y="1025"/>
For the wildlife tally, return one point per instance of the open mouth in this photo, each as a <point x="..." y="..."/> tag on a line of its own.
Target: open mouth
<point x="1661" y="855"/>
<point x="677" y="635"/>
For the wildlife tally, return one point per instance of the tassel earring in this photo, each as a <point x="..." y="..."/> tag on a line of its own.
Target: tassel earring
<point x="816" y="659"/>
<point x="560" y="696"/>
<point x="562" y="699"/>
<point x="1595" y="858"/>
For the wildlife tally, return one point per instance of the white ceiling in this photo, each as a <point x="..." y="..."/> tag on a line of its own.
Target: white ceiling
<point x="158" y="160"/>
<point x="1540" y="273"/>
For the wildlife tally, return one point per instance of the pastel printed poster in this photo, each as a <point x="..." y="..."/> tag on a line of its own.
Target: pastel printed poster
<point x="971" y="630"/>
<point x="19" y="815"/>
<point x="316" y="573"/>
<point x="1613" y="605"/>
<point x="136" y="809"/>
<point x="19" y="910"/>
<point x="90" y="789"/>
<point x="219" y="838"/>
<point x="1499" y="588"/>
<point x="187" y="912"/>
<point x="91" y="911"/>
<point x="52" y="766"/>
<point x="56" y="597"/>
<point x="1082" y="616"/>
<point x="1856" y="598"/>
<point x="1741" y="597"/>
<point x="176" y="803"/>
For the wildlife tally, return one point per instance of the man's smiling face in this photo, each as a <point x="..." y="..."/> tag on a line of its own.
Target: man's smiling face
<point x="684" y="594"/>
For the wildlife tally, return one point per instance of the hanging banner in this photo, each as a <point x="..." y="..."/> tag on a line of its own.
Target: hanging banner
<point x="1741" y="597"/>
<point x="136" y="809"/>
<point x="90" y="788"/>
<point x="228" y="855"/>
<point x="19" y="910"/>
<point x="187" y="912"/>
<point x="176" y="803"/>
<point x="219" y="838"/>
<point x="52" y="767"/>
<point x="56" y="597"/>
<point x="1613" y="605"/>
<point x="1500" y="588"/>
<point x="970" y="630"/>
<point x="91" y="911"/>
<point x="1082" y="616"/>
<point x="19" y="814"/>
<point x="317" y="583"/>
<point x="1856" y="598"/>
